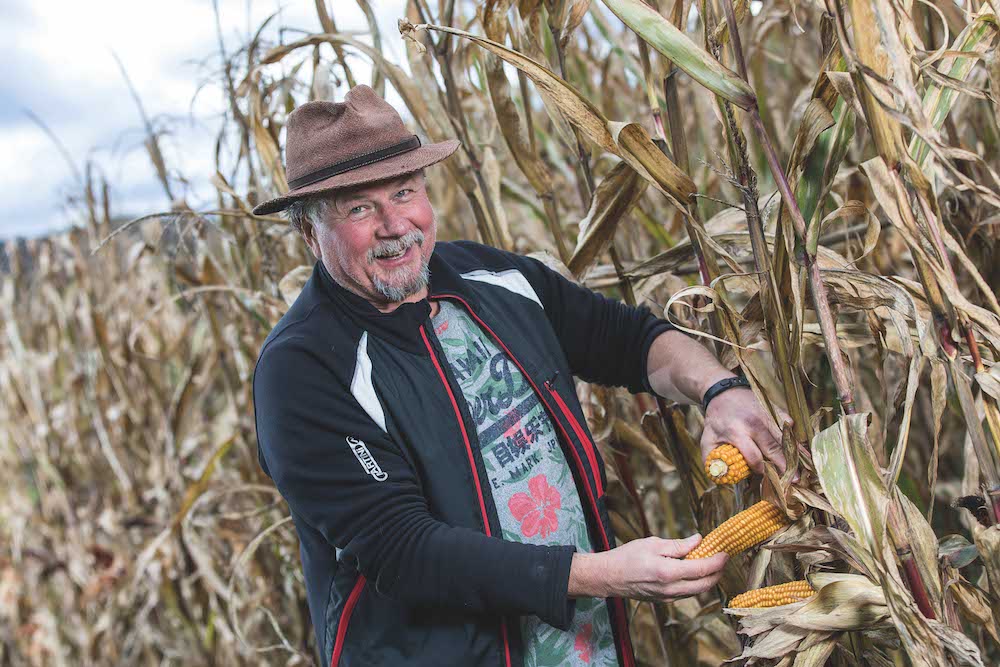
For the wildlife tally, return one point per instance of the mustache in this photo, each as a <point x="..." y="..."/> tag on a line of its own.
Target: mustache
<point x="395" y="246"/>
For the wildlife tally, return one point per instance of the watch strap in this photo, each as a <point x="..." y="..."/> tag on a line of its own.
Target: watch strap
<point x="721" y="386"/>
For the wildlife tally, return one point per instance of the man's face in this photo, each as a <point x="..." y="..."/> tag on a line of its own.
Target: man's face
<point x="376" y="240"/>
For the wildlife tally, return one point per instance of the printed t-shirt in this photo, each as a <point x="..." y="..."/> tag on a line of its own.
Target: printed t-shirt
<point x="532" y="485"/>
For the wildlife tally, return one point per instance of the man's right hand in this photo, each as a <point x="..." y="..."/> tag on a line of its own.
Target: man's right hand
<point x="650" y="569"/>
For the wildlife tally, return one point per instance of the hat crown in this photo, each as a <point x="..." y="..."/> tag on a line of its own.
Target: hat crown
<point x="324" y="133"/>
<point x="334" y="145"/>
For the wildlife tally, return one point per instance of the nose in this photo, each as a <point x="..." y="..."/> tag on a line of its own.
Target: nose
<point x="394" y="223"/>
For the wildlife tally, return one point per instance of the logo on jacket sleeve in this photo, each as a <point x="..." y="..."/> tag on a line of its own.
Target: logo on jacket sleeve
<point x="366" y="459"/>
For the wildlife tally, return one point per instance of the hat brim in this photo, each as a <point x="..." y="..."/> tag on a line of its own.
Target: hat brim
<point x="398" y="165"/>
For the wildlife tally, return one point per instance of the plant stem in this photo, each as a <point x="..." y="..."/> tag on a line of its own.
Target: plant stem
<point x="914" y="581"/>
<point x="485" y="212"/>
<point x="821" y="304"/>
<point x="326" y="21"/>
<point x="581" y="150"/>
<point x="775" y="321"/>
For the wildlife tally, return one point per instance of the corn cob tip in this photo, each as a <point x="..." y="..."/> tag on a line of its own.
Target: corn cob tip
<point x="725" y="465"/>
<point x="717" y="468"/>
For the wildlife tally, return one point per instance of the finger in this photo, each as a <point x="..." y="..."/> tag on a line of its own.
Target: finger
<point x="678" y="548"/>
<point x="686" y="587"/>
<point x="774" y="430"/>
<point x="772" y="449"/>
<point x="748" y="448"/>
<point x="697" y="568"/>
<point x="709" y="441"/>
<point x="784" y="421"/>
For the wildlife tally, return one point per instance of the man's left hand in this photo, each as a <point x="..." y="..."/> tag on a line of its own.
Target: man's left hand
<point x="737" y="417"/>
<point x="682" y="369"/>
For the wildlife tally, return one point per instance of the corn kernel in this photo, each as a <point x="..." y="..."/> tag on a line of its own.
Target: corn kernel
<point x="738" y="533"/>
<point x="773" y="596"/>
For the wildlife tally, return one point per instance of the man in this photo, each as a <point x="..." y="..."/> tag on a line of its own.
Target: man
<point x="416" y="408"/>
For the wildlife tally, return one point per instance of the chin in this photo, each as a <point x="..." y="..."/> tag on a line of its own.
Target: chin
<point x="401" y="284"/>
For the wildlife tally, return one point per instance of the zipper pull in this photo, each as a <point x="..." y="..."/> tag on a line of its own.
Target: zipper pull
<point x="551" y="381"/>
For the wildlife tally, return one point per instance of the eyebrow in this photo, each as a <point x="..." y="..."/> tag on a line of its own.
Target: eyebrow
<point x="343" y="200"/>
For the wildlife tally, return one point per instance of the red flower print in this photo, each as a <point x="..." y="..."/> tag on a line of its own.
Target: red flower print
<point x="582" y="645"/>
<point x="537" y="512"/>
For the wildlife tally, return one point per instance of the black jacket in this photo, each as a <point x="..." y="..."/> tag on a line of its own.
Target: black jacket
<point x="363" y="429"/>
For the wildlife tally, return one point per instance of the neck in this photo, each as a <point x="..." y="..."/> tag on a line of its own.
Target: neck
<point x="388" y="307"/>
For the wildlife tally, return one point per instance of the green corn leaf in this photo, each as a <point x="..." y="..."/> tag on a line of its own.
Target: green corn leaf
<point x="666" y="38"/>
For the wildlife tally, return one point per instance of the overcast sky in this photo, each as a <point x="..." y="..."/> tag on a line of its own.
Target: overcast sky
<point x="60" y="66"/>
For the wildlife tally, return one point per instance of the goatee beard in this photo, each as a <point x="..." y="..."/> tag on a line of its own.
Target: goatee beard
<point x="396" y="293"/>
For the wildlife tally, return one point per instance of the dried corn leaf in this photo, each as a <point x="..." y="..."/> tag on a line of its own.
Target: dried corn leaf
<point x="613" y="199"/>
<point x="627" y="140"/>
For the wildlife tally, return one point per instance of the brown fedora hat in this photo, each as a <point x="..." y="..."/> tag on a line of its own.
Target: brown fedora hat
<point x="334" y="145"/>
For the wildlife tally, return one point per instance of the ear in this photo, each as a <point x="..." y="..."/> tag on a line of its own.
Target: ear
<point x="308" y="233"/>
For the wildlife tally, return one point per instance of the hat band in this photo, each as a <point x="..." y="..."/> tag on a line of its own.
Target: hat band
<point x="406" y="146"/>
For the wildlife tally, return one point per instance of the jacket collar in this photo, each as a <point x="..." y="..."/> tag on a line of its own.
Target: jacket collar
<point x="401" y="327"/>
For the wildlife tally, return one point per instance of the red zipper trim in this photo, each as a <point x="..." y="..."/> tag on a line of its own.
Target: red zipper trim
<point x="587" y="444"/>
<point x="345" y="618"/>
<point x="472" y="465"/>
<point x="465" y="436"/>
<point x="623" y="635"/>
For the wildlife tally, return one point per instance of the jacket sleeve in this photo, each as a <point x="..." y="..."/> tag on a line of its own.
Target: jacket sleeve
<point x="309" y="428"/>
<point x="605" y="341"/>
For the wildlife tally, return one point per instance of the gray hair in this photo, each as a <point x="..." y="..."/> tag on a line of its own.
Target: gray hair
<point x="310" y="210"/>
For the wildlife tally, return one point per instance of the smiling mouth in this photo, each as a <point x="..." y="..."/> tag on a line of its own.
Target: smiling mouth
<point x="396" y="255"/>
<point x="396" y="249"/>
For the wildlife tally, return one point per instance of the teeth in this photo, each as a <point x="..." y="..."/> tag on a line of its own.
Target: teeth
<point x="396" y="255"/>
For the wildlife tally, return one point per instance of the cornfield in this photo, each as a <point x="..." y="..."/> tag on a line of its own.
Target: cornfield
<point x="810" y="187"/>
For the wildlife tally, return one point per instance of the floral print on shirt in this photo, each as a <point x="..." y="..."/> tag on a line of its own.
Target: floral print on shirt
<point x="537" y="512"/>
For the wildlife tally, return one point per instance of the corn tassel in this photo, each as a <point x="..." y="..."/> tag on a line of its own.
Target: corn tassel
<point x="773" y="596"/>
<point x="726" y="465"/>
<point x="747" y="529"/>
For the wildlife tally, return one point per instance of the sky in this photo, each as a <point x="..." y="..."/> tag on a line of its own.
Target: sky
<point x="61" y="70"/>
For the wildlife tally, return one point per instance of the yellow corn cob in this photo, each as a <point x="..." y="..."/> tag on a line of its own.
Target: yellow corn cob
<point x="738" y="533"/>
<point x="774" y="596"/>
<point x="726" y="465"/>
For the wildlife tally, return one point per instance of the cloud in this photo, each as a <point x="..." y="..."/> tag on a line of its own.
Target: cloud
<point x="61" y="67"/>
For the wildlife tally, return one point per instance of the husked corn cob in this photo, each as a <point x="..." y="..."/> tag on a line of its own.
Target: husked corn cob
<point x="726" y="465"/>
<point x="738" y="533"/>
<point x="774" y="596"/>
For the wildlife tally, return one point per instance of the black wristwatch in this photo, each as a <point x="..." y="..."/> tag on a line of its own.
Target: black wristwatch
<point x="721" y="386"/>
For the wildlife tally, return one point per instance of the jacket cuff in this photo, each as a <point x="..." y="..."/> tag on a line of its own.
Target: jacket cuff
<point x="559" y="606"/>
<point x="658" y="327"/>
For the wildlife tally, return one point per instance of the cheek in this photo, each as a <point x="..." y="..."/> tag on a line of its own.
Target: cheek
<point x="424" y="220"/>
<point x="352" y="244"/>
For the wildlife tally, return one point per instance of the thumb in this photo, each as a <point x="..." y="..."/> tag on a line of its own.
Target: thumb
<point x="680" y="548"/>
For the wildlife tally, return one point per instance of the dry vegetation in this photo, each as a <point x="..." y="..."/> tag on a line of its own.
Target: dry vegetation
<point x="831" y="227"/>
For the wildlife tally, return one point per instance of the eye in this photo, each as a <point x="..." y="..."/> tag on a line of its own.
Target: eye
<point x="357" y="210"/>
<point x="405" y="192"/>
